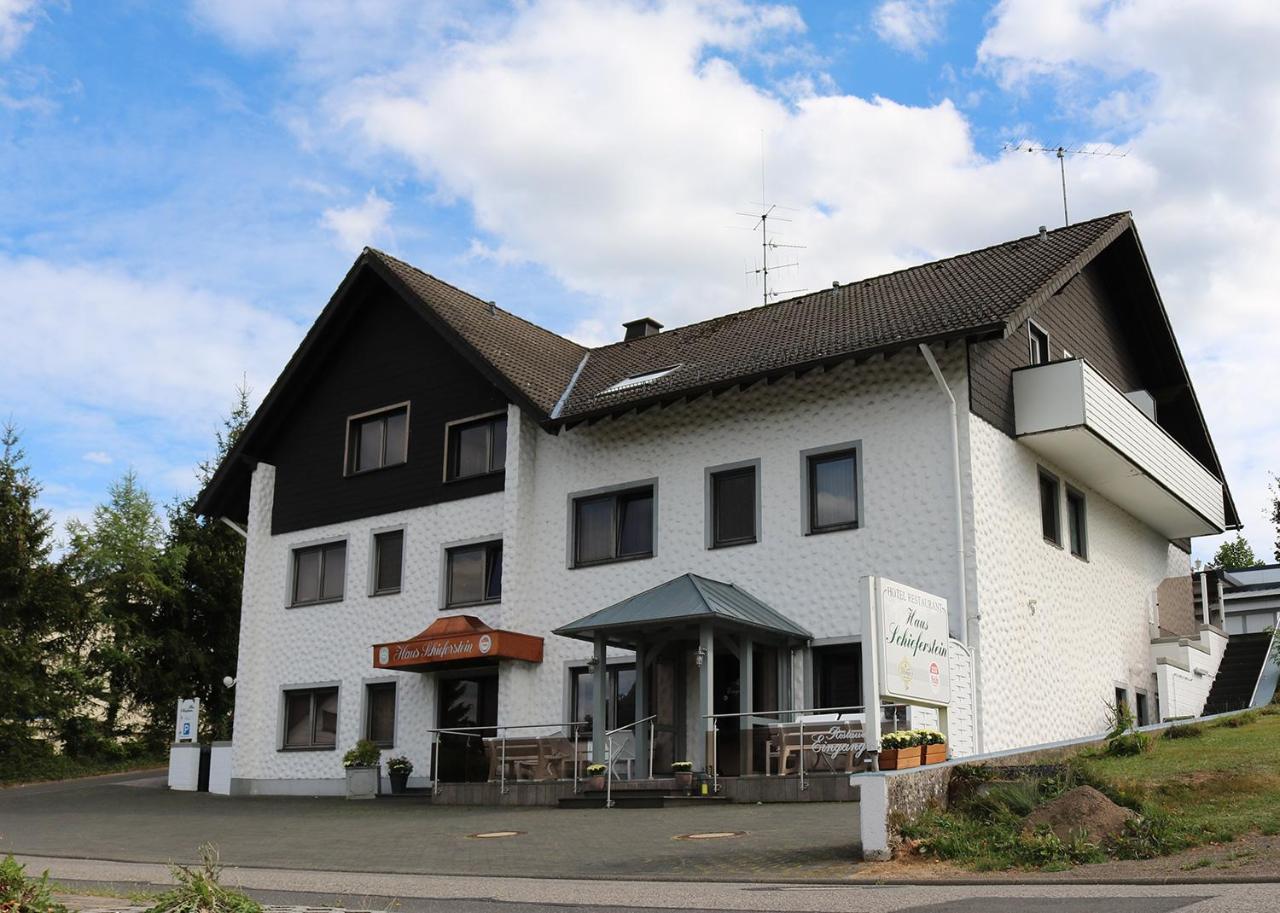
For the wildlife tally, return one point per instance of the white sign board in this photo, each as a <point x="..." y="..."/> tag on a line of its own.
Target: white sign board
<point x="913" y="641"/>
<point x="188" y="720"/>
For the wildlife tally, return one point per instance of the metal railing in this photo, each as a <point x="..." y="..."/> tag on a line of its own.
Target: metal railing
<point x="608" y="755"/>
<point x="714" y="761"/>
<point x="500" y="733"/>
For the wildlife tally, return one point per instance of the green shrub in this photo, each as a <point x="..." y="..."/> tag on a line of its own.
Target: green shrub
<point x="20" y="894"/>
<point x="365" y="754"/>
<point x="1184" y="731"/>
<point x="199" y="890"/>
<point x="1241" y="719"/>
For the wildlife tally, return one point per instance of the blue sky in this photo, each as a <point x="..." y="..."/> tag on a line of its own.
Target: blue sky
<point x="186" y="182"/>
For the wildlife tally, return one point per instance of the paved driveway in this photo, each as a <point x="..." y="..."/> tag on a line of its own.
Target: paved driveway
<point x="128" y="818"/>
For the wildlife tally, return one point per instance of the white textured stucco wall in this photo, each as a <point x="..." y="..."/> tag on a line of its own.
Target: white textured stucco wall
<point x="1186" y="676"/>
<point x="1057" y="634"/>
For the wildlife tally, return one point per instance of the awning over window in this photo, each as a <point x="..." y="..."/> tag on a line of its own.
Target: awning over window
<point x="456" y="640"/>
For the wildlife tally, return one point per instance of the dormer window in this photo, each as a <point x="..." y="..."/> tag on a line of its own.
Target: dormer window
<point x="378" y="439"/>
<point x="477" y="447"/>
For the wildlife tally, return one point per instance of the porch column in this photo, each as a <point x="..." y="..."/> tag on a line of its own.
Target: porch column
<point x="599" y="710"/>
<point x="746" y="704"/>
<point x="642" y="711"/>
<point x="706" y="683"/>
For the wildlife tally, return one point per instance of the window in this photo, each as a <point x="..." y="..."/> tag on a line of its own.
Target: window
<point x="733" y="507"/>
<point x="1077" y="535"/>
<point x="1049" y="522"/>
<point x="378" y="439"/>
<point x="318" y="573"/>
<point x="474" y="574"/>
<point x="388" y="561"/>
<point x="1144" y="710"/>
<point x="380" y="713"/>
<point x="1039" y="345"/>
<point x="613" y="527"/>
<point x="833" y="491"/>
<point x="311" y="718"/>
<point x="477" y="448"/>
<point x="620" y="695"/>
<point x="837" y="676"/>
<point x="1122" y="700"/>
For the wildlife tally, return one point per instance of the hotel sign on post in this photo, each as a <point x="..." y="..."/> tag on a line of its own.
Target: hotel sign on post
<point x="188" y="722"/>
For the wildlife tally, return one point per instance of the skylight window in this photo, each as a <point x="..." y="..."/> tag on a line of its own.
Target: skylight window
<point x="638" y="380"/>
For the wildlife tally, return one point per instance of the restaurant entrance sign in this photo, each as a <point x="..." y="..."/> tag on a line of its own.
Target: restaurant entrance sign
<point x="905" y="650"/>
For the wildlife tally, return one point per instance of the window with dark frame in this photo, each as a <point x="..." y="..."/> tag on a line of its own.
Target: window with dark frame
<point x="474" y="574"/>
<point x="1077" y="531"/>
<point x="837" y="676"/>
<point x="1039" y="345"/>
<point x="477" y="448"/>
<point x="833" y="491"/>
<point x="620" y="694"/>
<point x="1122" y="700"/>
<point x="733" y="507"/>
<point x="1143" y="709"/>
<point x="613" y="527"/>
<point x="311" y="718"/>
<point x="380" y="713"/>
<point x="1050" y="523"/>
<point x="388" y="561"/>
<point x="319" y="572"/>
<point x="378" y="440"/>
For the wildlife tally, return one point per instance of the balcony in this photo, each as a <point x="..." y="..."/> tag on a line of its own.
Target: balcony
<point x="1078" y="420"/>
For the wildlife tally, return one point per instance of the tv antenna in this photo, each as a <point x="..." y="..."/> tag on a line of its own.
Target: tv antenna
<point x="1061" y="152"/>
<point x="769" y="213"/>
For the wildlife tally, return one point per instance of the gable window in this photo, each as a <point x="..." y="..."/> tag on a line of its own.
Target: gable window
<point x="388" y="561"/>
<point x="378" y="439"/>
<point x="733" y="507"/>
<point x="318" y="573"/>
<point x="473" y="574"/>
<point x="833" y="491"/>
<point x="1077" y="534"/>
<point x="613" y="527"/>
<point x="380" y="713"/>
<point x="1050" y="524"/>
<point x="311" y="718"/>
<point x="477" y="447"/>
<point x="1039" y="340"/>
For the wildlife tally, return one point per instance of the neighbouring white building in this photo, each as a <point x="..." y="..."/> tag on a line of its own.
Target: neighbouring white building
<point x="435" y="487"/>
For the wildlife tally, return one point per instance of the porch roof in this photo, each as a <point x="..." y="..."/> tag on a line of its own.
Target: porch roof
<point x="686" y="599"/>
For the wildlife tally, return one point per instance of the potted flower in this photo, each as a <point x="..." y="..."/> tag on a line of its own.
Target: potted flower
<point x="595" y="776"/>
<point x="398" y="770"/>
<point x="933" y="746"/>
<point x="683" y="771"/>
<point x="899" y="750"/>
<point x="361" y="764"/>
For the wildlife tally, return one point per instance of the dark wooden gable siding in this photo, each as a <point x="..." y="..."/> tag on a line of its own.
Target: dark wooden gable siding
<point x="383" y="354"/>
<point x="1083" y="318"/>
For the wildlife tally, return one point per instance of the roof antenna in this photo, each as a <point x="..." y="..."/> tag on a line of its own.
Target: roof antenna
<point x="1062" y="152"/>
<point x="768" y="238"/>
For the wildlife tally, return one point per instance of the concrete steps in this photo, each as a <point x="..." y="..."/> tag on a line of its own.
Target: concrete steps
<point x="1238" y="673"/>
<point x="638" y="798"/>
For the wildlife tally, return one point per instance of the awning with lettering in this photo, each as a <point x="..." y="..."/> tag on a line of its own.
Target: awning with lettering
<point x="456" y="640"/>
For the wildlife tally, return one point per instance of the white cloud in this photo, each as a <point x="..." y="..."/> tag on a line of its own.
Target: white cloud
<point x="17" y="18"/>
<point x="359" y="226"/>
<point x="910" y="25"/>
<point x="101" y="457"/>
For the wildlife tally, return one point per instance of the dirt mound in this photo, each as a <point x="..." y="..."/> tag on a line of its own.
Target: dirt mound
<point x="1081" y="810"/>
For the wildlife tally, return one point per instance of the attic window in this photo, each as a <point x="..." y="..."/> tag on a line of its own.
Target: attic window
<point x="638" y="380"/>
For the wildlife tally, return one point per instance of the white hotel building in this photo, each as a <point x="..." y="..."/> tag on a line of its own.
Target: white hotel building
<point x="435" y="487"/>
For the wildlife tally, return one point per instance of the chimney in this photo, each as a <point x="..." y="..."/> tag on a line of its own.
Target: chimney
<point x="645" y="326"/>
<point x="1044" y="232"/>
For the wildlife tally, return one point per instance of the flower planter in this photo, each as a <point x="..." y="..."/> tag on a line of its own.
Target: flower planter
<point x="399" y="782"/>
<point x="933" y="754"/>
<point x="595" y="782"/>
<point x="900" y="758"/>
<point x="684" y="779"/>
<point x="362" y="782"/>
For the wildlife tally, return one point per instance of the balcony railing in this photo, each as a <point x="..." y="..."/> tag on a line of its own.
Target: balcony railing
<point x="1075" y="417"/>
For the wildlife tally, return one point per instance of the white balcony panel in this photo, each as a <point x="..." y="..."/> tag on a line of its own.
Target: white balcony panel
<point x="1073" y="416"/>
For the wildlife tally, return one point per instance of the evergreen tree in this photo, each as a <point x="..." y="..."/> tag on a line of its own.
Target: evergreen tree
<point x="1235" y="554"/>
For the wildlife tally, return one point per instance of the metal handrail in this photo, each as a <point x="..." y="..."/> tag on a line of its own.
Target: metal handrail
<point x="715" y="739"/>
<point x="608" y="755"/>
<point x="474" y="732"/>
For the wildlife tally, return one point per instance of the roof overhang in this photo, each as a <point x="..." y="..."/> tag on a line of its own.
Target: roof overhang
<point x="454" y="641"/>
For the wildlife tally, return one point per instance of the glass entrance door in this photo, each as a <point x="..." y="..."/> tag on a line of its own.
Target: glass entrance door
<point x="466" y="700"/>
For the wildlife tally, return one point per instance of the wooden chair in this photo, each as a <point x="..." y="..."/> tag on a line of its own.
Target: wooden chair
<point x="522" y="756"/>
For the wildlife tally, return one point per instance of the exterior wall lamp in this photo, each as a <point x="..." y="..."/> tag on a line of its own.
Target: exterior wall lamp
<point x="699" y="656"/>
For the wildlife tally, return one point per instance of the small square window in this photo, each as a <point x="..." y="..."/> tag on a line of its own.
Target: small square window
<point x="311" y="718"/>
<point x="1077" y="531"/>
<point x="318" y="573"/>
<point x="380" y="714"/>
<point x="1050" y="524"/>
<point x="613" y="527"/>
<point x="477" y="448"/>
<point x="474" y="574"/>
<point x="1039" y="340"/>
<point x="378" y="439"/>
<point x="388" y="561"/>
<point x="733" y="507"/>
<point x="833" y="491"/>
